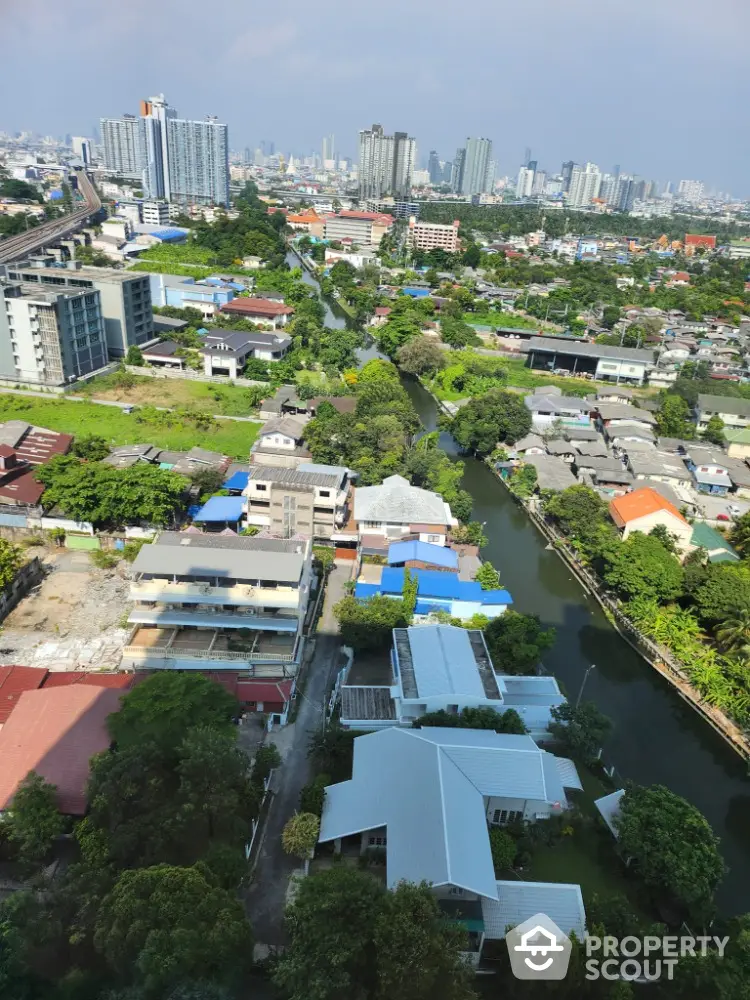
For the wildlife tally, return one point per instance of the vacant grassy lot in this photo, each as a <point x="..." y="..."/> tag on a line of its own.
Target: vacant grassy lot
<point x="163" y="430"/>
<point x="494" y="318"/>
<point x="231" y="400"/>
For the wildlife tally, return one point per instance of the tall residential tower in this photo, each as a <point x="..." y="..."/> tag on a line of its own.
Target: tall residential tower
<point x="386" y="163"/>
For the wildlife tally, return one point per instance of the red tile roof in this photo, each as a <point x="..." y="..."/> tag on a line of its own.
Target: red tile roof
<point x="40" y="444"/>
<point x="55" y="732"/>
<point x="258" y="307"/>
<point x="13" y="682"/>
<point x="20" y="486"/>
<point x="64" y="678"/>
<point x="256" y="690"/>
<point x="638" y="504"/>
<point x="6" y="451"/>
<point x="382" y="310"/>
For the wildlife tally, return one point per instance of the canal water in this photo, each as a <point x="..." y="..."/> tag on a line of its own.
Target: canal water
<point x="656" y="737"/>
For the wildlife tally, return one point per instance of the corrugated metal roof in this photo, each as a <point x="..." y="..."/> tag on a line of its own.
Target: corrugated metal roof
<point x="444" y="662"/>
<point x="397" y="501"/>
<point x="14" y="680"/>
<point x="437" y="555"/>
<point x="568" y="773"/>
<point x="517" y="901"/>
<point x="609" y="809"/>
<point x="202" y="555"/>
<point x="221" y="509"/>
<point x="294" y="477"/>
<point x="440" y="585"/>
<point x="238" y="481"/>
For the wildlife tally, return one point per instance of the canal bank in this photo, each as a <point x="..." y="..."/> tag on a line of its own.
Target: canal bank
<point x="657" y="738"/>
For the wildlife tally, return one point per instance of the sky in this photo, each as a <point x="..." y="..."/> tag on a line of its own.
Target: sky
<point x="656" y="86"/>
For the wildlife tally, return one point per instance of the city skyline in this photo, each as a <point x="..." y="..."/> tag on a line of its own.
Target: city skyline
<point x="625" y="119"/>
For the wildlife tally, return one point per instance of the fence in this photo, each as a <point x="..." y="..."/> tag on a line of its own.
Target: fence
<point x="194" y="376"/>
<point x="27" y="577"/>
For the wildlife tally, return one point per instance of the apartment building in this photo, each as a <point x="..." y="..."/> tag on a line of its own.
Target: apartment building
<point x="362" y="228"/>
<point x="433" y="235"/>
<point x="155" y="213"/>
<point x="219" y="602"/>
<point x="311" y="500"/>
<point x="49" y="337"/>
<point x="125" y="297"/>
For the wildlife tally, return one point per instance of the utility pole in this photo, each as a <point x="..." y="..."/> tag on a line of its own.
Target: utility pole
<point x="583" y="683"/>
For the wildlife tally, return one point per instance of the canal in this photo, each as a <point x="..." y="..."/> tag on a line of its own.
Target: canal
<point x="656" y="737"/>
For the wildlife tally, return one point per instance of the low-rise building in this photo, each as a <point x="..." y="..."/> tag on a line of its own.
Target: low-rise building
<point x="219" y="602"/>
<point x="260" y="310"/>
<point x="225" y="352"/>
<point x="362" y="228"/>
<point x="395" y="508"/>
<point x="187" y="293"/>
<point x="733" y="411"/>
<point x="436" y="591"/>
<point x="643" y="510"/>
<point x="606" y="363"/>
<point x="164" y="355"/>
<point x="549" y="408"/>
<point x="310" y="500"/>
<point x="709" y="469"/>
<point x="280" y="443"/>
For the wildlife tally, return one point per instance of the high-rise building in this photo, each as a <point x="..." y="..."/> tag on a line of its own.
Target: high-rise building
<point x="585" y="184"/>
<point x="49" y="336"/>
<point x="124" y="141"/>
<point x="567" y="173"/>
<point x="457" y="170"/>
<point x="476" y="173"/>
<point x="525" y="182"/>
<point x="81" y="148"/>
<point x="386" y="163"/>
<point x="434" y="169"/>
<point x="447" y="172"/>
<point x="198" y="161"/>
<point x="329" y="149"/>
<point x="155" y="113"/>
<point x="690" y="190"/>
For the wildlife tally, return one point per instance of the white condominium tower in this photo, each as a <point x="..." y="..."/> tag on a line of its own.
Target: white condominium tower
<point x="386" y="163"/>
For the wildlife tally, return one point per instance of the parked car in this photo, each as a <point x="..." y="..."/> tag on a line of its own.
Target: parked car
<point x="723" y="517"/>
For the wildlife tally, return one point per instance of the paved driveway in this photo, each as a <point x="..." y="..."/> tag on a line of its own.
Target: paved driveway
<point x="265" y="897"/>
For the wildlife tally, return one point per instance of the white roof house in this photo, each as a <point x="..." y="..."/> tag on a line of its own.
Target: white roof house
<point x="517" y="901"/>
<point x="395" y="507"/>
<point x="434" y="790"/>
<point x="609" y="809"/>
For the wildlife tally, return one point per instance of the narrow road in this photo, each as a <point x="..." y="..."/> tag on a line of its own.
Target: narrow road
<point x="266" y="896"/>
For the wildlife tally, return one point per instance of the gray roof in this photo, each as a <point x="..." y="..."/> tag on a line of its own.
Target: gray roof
<point x="518" y="901"/>
<point x="552" y="473"/>
<point x="633" y="446"/>
<point x="560" y="448"/>
<point x="288" y="425"/>
<point x="168" y="322"/>
<point x="581" y="434"/>
<point x="626" y="429"/>
<point x="738" y="470"/>
<point x="546" y="402"/>
<point x="712" y="478"/>
<point x="397" y="501"/>
<point x="362" y="703"/>
<point x="707" y="455"/>
<point x="530" y="441"/>
<point x="658" y="464"/>
<point x="724" y="404"/>
<point x="600" y="463"/>
<point x="592" y="448"/>
<point x="127" y="455"/>
<point x="609" y="808"/>
<point x="621" y="477"/>
<point x="165" y="348"/>
<point x="236" y="557"/>
<point x="237" y="342"/>
<point x="12" y="431"/>
<point x="427" y="786"/>
<point x="616" y="391"/>
<point x="584" y="349"/>
<point x="666" y="491"/>
<point x="444" y="660"/>
<point x="295" y="477"/>
<point x="624" y="411"/>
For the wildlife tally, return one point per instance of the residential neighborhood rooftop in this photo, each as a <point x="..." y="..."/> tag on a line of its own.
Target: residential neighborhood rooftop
<point x="640" y="503"/>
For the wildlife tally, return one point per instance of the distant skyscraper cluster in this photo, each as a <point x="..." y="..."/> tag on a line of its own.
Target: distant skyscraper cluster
<point x="176" y="159"/>
<point x="583" y="185"/>
<point x="386" y="163"/>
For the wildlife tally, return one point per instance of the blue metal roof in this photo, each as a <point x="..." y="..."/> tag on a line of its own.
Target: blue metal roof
<point x="440" y="585"/>
<point x="221" y="509"/>
<point x="437" y="555"/>
<point x="169" y="235"/>
<point x="238" y="481"/>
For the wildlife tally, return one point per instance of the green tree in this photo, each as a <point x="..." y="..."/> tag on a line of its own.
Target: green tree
<point x="312" y="796"/>
<point x="642" y="567"/>
<point x="92" y="447"/>
<point x="578" y="510"/>
<point x="134" y="356"/>
<point x="504" y="850"/>
<point x="497" y="416"/>
<point x="739" y="536"/>
<point x="300" y="835"/>
<point x="164" y="706"/>
<point x="508" y="721"/>
<point x="420" y="356"/>
<point x="714" y="431"/>
<point x="208" y="481"/>
<point x="457" y="333"/>
<point x="610" y="316"/>
<point x="331" y="751"/>
<point x="409" y="594"/>
<point x="733" y="634"/>
<point x="369" y="624"/>
<point x="162" y="926"/>
<point x="673" y="418"/>
<point x="722" y="592"/>
<point x="10" y="563"/>
<point x="582" y="729"/>
<point x="487" y="576"/>
<point x="472" y="256"/>
<point x="34" y="822"/>
<point x="674" y="849"/>
<point x="516" y="642"/>
<point x="661" y="532"/>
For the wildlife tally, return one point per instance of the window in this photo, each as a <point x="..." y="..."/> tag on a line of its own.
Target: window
<point x="434" y="538"/>
<point x="376" y="841"/>
<point x="455" y="891"/>
<point x="261" y="487"/>
<point x="325" y="493"/>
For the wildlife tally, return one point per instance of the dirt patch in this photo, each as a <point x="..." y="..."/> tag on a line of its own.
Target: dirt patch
<point x="72" y="619"/>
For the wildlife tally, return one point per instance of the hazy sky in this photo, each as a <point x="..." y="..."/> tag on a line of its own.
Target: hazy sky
<point x="658" y="86"/>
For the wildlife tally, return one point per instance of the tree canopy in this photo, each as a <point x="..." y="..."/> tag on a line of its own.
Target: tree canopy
<point x="582" y="729"/>
<point x="516" y="642"/>
<point x="34" y="820"/>
<point x="642" y="567"/>
<point x="368" y="624"/>
<point x="497" y="416"/>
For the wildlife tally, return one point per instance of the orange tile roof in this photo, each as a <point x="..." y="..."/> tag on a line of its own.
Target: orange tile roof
<point x="640" y="503"/>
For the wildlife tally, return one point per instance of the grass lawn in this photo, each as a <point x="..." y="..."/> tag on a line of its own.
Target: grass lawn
<point x="494" y="318"/>
<point x="82" y="419"/>
<point x="230" y="400"/>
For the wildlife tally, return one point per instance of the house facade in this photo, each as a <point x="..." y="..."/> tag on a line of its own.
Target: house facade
<point x="309" y="500"/>
<point x="643" y="510"/>
<point x="734" y="413"/>
<point x="225" y="352"/>
<point x="280" y="443"/>
<point x="395" y="508"/>
<point x="219" y="602"/>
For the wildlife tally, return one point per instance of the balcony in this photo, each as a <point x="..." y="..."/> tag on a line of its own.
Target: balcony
<point x="268" y="654"/>
<point x="241" y="595"/>
<point x="210" y="617"/>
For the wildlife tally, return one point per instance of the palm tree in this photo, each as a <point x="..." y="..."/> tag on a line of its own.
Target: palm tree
<point x="734" y="634"/>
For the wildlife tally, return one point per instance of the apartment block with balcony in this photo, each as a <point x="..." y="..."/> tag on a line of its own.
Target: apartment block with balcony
<point x="49" y="337"/>
<point x="311" y="500"/>
<point x="219" y="602"/>
<point x="433" y="235"/>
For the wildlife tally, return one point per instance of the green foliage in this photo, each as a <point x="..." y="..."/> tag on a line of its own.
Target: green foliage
<point x="739" y="536"/>
<point x="312" y="796"/>
<point x="508" y="721"/>
<point x="523" y="481"/>
<point x="409" y="594"/>
<point x="103" y="495"/>
<point x="642" y="567"/>
<point x="350" y="937"/>
<point x="457" y="334"/>
<point x="488" y="576"/>
<point x="92" y="447"/>
<point x="34" y="820"/>
<point x="578" y="510"/>
<point x="674" y="849"/>
<point x="19" y="190"/>
<point x="673" y="418"/>
<point x="331" y="752"/>
<point x="725" y="588"/>
<point x="661" y="532"/>
<point x="714" y="431"/>
<point x="581" y="729"/>
<point x="300" y="835"/>
<point x="516" y="642"/>
<point x="165" y="705"/>
<point x="504" y="850"/>
<point x="324" y="557"/>
<point x="420" y="356"/>
<point x="368" y="624"/>
<point x="134" y="356"/>
<point x="10" y="562"/>
<point x="266" y="760"/>
<point x="104" y="559"/>
<point x="132" y="548"/>
<point x="164" y="925"/>
<point x="470" y="534"/>
<point x="497" y="416"/>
